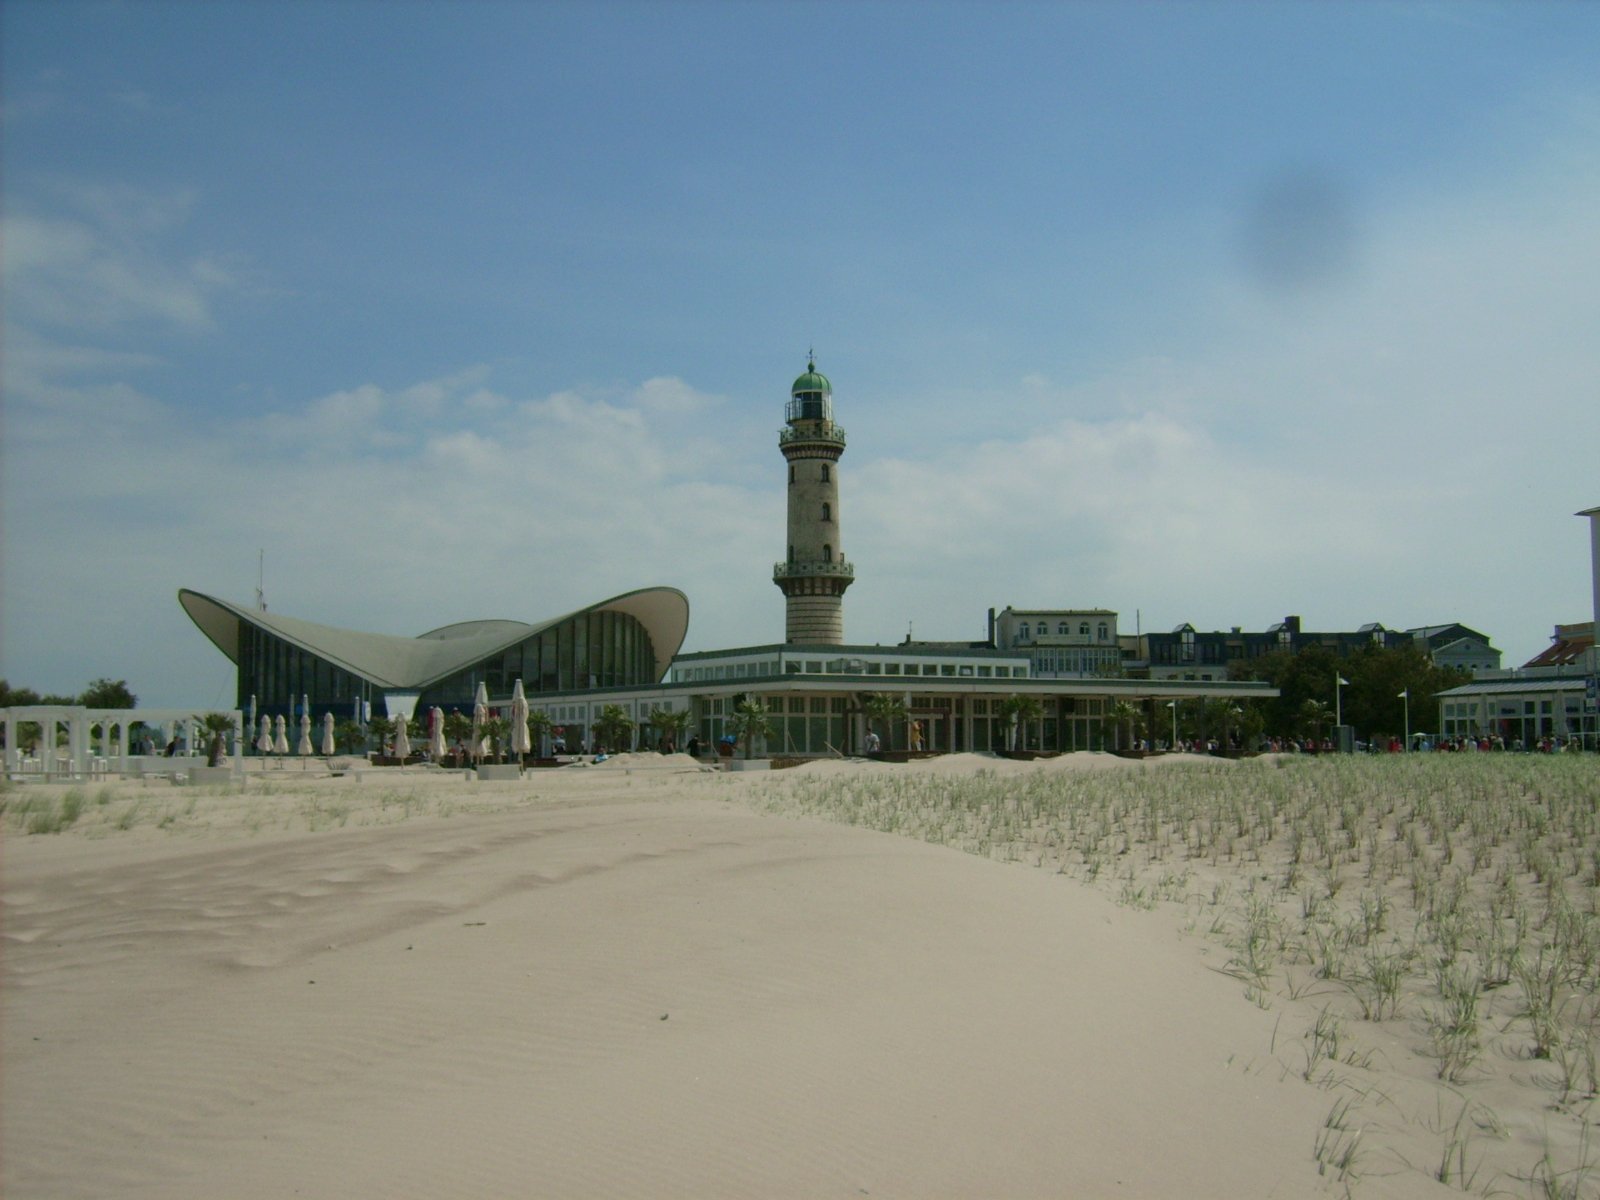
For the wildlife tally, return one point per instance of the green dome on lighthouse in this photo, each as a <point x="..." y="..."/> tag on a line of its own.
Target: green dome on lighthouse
<point x="812" y="381"/>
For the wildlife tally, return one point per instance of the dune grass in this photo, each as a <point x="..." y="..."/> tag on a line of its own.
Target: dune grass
<point x="1441" y="911"/>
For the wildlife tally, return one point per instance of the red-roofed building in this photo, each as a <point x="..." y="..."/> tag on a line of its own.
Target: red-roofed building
<point x="1567" y="646"/>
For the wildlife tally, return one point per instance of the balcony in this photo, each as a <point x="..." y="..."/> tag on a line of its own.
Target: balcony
<point x="800" y="570"/>
<point x="827" y="431"/>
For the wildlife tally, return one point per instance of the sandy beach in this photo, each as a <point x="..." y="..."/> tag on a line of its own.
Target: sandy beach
<point x="632" y="980"/>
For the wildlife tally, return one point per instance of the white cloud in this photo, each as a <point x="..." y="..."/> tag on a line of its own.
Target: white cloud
<point x="104" y="262"/>
<point x="670" y="395"/>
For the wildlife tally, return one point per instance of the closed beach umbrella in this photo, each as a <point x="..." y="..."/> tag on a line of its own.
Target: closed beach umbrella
<point x="436" y="741"/>
<point x="402" y="741"/>
<point x="327" y="735"/>
<point x="280" y="741"/>
<point x="303" y="746"/>
<point x="264" y="742"/>
<point x="520" y="742"/>
<point x="480" y="715"/>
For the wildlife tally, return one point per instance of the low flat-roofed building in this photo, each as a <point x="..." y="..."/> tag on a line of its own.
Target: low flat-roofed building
<point x="1552" y="695"/>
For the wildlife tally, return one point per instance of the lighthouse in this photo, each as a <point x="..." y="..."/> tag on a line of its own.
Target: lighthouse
<point x="815" y="573"/>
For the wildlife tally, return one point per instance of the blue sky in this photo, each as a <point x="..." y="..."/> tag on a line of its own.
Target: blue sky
<point x="1200" y="312"/>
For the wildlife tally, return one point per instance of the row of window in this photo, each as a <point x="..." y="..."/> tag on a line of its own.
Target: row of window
<point x="1081" y="662"/>
<point x="840" y="666"/>
<point x="1511" y="708"/>
<point x="1063" y="629"/>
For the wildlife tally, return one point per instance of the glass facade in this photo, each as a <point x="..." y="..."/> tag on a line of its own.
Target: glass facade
<point x="277" y="673"/>
<point x="590" y="650"/>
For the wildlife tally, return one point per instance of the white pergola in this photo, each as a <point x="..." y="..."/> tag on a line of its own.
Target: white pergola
<point x="97" y="739"/>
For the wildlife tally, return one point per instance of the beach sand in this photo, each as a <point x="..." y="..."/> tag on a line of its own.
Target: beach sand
<point x="622" y="982"/>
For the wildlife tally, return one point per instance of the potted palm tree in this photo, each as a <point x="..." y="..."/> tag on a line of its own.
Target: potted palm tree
<point x="613" y="729"/>
<point x="349" y="736"/>
<point x="670" y="724"/>
<point x="380" y="729"/>
<point x="750" y="721"/>
<point x="457" y="732"/>
<point x="1017" y="713"/>
<point x="1127" y="720"/>
<point x="216" y="726"/>
<point x="539" y="726"/>
<point x="495" y="729"/>
<point x="888" y="711"/>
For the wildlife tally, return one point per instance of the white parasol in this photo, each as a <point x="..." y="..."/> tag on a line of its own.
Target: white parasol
<point x="520" y="742"/>
<point x="402" y="740"/>
<point x="264" y="742"/>
<point x="436" y="739"/>
<point x="280" y="740"/>
<point x="327" y="735"/>
<point x="480" y="716"/>
<point x="303" y="746"/>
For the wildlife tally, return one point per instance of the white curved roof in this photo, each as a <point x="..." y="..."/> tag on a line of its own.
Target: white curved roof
<point x="402" y="662"/>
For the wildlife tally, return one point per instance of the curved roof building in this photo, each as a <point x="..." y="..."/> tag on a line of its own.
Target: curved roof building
<point x="626" y="641"/>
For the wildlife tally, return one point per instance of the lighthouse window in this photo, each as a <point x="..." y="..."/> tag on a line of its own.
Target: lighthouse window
<point x="791" y="474"/>
<point x="827" y="552"/>
<point x="824" y="472"/>
<point x="827" y="512"/>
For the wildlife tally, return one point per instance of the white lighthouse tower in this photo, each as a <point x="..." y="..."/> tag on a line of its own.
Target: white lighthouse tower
<point x="815" y="574"/>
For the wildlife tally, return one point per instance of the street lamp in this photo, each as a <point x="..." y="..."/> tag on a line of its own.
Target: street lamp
<point x="1173" y="705"/>
<point x="1406" y="696"/>
<point x="1339" y="684"/>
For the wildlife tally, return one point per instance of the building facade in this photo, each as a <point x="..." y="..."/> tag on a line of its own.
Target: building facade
<point x="1064" y="643"/>
<point x="1188" y="653"/>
